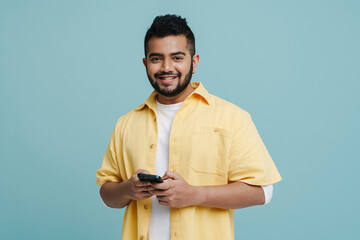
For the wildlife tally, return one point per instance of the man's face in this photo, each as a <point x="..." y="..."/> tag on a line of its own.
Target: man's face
<point x="169" y="65"/>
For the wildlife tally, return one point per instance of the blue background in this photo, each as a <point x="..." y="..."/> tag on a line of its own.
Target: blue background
<point x="69" y="69"/>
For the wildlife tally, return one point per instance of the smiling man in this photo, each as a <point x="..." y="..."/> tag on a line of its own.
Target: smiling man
<point x="207" y="150"/>
<point x="170" y="65"/>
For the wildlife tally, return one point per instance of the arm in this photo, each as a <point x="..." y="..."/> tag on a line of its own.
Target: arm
<point x="231" y="196"/>
<point x="178" y="193"/>
<point x="119" y="194"/>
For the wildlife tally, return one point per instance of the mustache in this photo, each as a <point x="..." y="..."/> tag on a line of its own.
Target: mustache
<point x="167" y="73"/>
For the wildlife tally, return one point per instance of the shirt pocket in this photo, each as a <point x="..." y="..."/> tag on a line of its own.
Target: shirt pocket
<point x="210" y="149"/>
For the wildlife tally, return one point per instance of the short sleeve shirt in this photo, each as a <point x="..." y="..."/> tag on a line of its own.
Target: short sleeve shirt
<point x="212" y="142"/>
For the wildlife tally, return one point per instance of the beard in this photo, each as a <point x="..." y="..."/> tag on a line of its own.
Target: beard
<point x="181" y="86"/>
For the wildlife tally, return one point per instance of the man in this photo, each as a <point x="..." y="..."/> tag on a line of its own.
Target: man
<point x="207" y="150"/>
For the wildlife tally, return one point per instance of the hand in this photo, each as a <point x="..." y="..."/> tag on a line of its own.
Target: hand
<point x="139" y="190"/>
<point x="175" y="192"/>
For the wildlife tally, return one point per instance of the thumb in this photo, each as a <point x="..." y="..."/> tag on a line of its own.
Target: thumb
<point x="171" y="175"/>
<point x="142" y="171"/>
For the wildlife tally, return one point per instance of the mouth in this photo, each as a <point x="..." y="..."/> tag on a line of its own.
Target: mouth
<point x="167" y="79"/>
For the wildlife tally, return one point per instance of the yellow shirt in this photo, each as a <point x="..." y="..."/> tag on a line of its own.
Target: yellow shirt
<point x="212" y="142"/>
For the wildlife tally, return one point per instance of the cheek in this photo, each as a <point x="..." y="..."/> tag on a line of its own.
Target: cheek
<point x="152" y="69"/>
<point x="183" y="69"/>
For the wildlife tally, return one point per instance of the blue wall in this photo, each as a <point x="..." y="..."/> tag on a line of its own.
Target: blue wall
<point x="69" y="69"/>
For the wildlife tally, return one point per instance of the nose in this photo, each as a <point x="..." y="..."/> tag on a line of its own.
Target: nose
<point x="167" y="65"/>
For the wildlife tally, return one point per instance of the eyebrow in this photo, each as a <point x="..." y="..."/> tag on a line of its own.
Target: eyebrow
<point x="178" y="53"/>
<point x="172" y="54"/>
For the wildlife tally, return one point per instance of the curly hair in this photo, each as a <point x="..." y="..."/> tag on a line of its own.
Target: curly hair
<point x="168" y="25"/>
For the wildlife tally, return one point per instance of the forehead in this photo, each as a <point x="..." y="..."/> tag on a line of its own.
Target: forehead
<point x="168" y="44"/>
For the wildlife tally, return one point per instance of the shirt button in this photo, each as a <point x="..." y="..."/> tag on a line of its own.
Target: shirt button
<point x="152" y="146"/>
<point x="146" y="206"/>
<point x="216" y="130"/>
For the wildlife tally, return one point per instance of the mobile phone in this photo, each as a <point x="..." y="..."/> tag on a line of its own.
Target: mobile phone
<point x="150" y="178"/>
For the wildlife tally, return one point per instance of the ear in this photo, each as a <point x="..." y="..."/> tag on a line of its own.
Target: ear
<point x="195" y="60"/>
<point x="144" y="61"/>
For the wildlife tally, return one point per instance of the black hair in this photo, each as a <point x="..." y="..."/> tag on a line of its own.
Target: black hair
<point x="168" y="25"/>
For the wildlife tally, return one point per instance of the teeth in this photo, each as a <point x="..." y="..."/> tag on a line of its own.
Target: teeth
<point x="168" y="78"/>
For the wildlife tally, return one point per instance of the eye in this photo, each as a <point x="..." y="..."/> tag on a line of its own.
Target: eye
<point x="155" y="59"/>
<point x="178" y="58"/>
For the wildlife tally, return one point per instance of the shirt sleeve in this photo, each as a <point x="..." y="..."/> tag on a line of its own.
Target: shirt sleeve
<point x="109" y="170"/>
<point x="249" y="160"/>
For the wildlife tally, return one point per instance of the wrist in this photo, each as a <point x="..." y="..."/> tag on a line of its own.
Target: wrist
<point x="199" y="195"/>
<point x="124" y="190"/>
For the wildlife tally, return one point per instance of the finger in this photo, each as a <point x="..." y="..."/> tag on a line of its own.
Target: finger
<point x="164" y="203"/>
<point x="161" y="186"/>
<point x="144" y="195"/>
<point x="139" y="183"/>
<point x="141" y="187"/>
<point x="162" y="198"/>
<point x="141" y="171"/>
<point x="150" y="188"/>
<point x="158" y="193"/>
<point x="147" y="188"/>
<point x="140" y="190"/>
<point x="165" y="177"/>
<point x="172" y="175"/>
<point x="147" y="193"/>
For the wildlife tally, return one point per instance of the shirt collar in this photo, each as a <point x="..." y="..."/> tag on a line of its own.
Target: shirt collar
<point x="199" y="92"/>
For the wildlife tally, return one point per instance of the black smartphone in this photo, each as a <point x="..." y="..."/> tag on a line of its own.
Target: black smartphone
<point x="150" y="178"/>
